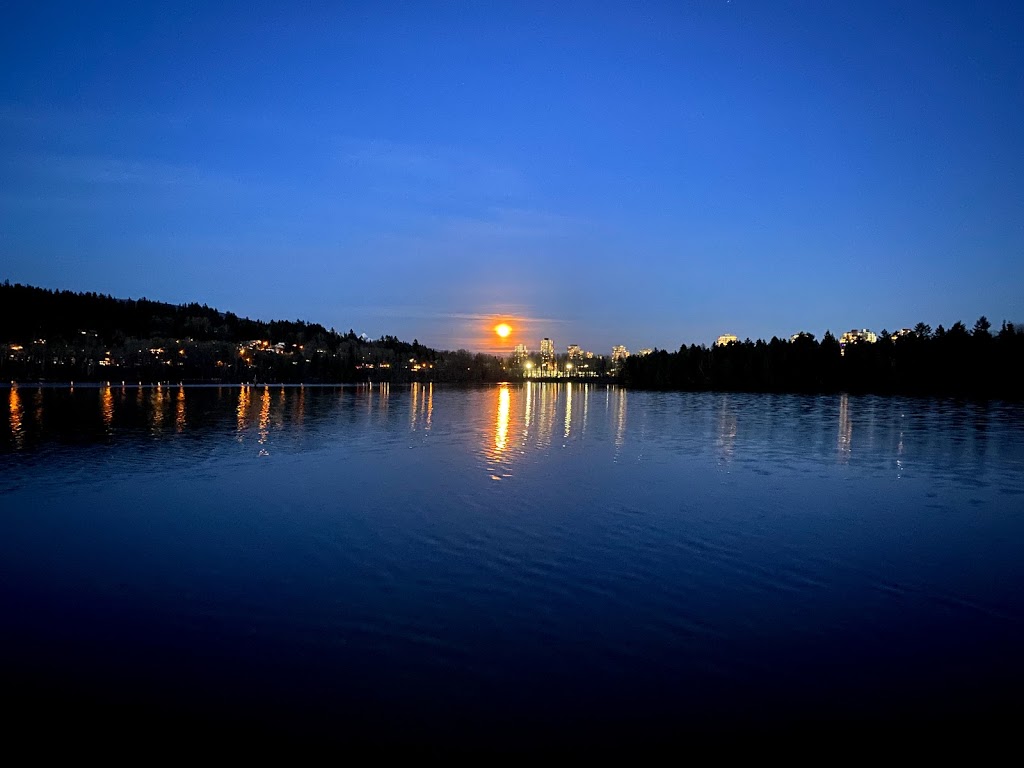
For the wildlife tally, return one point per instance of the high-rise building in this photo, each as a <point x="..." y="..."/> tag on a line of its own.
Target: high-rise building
<point x="520" y="354"/>
<point x="574" y="352"/>
<point x="619" y="354"/>
<point x="726" y="338"/>
<point x="853" y="336"/>
<point x="547" y="351"/>
<point x="645" y="351"/>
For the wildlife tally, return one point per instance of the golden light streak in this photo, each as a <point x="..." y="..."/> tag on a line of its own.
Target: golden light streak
<point x="528" y="410"/>
<point x="501" y="423"/>
<point x="264" y="426"/>
<point x="243" y="409"/>
<point x="179" y="414"/>
<point x="17" y="415"/>
<point x="107" y="406"/>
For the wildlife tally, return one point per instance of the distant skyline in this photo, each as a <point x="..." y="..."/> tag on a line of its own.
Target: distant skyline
<point x="646" y="174"/>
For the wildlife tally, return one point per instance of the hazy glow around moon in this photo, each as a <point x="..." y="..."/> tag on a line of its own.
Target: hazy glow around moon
<point x="503" y="330"/>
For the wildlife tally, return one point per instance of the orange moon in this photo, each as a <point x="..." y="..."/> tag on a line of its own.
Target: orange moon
<point x="503" y="330"/>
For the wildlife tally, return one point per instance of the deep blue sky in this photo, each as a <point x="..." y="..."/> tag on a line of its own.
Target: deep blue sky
<point x="637" y="173"/>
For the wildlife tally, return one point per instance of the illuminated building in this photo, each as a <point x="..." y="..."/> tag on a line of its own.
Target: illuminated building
<point x="519" y="354"/>
<point x="645" y="351"/>
<point x="547" y="352"/>
<point x="574" y="352"/>
<point x="853" y="336"/>
<point x="726" y="338"/>
<point x="802" y="335"/>
<point x="619" y="354"/>
<point x="902" y="332"/>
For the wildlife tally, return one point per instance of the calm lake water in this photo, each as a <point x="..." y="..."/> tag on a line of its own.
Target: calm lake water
<point x="510" y="564"/>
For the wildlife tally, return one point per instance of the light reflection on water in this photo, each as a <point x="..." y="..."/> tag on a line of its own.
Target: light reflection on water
<point x="264" y="425"/>
<point x="619" y="396"/>
<point x="501" y="422"/>
<point x="568" y="409"/>
<point x="157" y="403"/>
<point x="107" y="407"/>
<point x="845" y="441"/>
<point x="180" y="421"/>
<point x="727" y="430"/>
<point x="661" y="546"/>
<point x="563" y="408"/>
<point x="523" y="419"/>
<point x="421" y="406"/>
<point x="16" y="417"/>
<point x="242" y="411"/>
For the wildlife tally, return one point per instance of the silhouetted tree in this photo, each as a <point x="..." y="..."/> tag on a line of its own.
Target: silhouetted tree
<point x="956" y="362"/>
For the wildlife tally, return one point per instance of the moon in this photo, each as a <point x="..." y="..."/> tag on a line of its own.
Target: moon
<point x="503" y="330"/>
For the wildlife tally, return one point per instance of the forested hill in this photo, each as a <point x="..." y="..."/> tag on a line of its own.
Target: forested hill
<point x="66" y="336"/>
<point x="27" y="312"/>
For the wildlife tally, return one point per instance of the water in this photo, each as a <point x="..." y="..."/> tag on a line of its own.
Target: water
<point x="509" y="565"/>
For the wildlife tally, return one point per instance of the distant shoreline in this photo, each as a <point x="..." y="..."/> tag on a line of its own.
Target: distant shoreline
<point x="61" y="338"/>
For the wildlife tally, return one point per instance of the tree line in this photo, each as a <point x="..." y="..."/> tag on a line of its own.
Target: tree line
<point x="50" y="335"/>
<point x="956" y="362"/>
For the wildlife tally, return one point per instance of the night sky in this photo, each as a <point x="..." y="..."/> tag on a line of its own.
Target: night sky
<point x="638" y="173"/>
